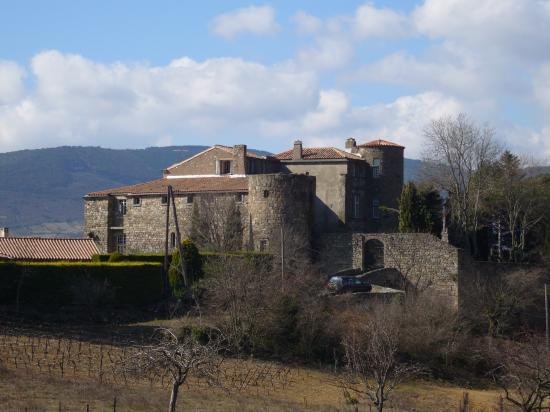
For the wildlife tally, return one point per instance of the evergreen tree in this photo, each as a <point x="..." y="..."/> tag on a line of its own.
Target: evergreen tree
<point x="419" y="211"/>
<point x="407" y="208"/>
<point x="192" y="263"/>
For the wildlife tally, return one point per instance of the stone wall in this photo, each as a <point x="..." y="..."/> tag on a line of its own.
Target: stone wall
<point x="329" y="212"/>
<point x="204" y="164"/>
<point x="423" y="259"/>
<point x="143" y="224"/>
<point x="280" y="200"/>
<point x="96" y="222"/>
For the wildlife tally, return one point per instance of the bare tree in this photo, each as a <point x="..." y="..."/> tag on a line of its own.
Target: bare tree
<point x="516" y="203"/>
<point x="240" y="289"/>
<point x="523" y="373"/>
<point x="459" y="152"/>
<point x="216" y="223"/>
<point x="371" y="342"/>
<point x="179" y="357"/>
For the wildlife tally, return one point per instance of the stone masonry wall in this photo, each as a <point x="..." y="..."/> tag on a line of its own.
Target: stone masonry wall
<point x="422" y="258"/>
<point x="96" y="221"/>
<point x="205" y="164"/>
<point x="144" y="225"/>
<point x="280" y="199"/>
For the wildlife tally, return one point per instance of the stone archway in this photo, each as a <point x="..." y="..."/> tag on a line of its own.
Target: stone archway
<point x="373" y="256"/>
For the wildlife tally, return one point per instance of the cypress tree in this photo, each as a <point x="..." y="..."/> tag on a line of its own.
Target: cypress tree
<point x="407" y="208"/>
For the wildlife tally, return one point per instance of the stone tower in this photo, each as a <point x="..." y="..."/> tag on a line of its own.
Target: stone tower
<point x="385" y="181"/>
<point x="280" y="200"/>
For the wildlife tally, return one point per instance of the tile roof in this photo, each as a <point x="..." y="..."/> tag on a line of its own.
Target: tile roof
<point x="180" y="185"/>
<point x="313" y="153"/>
<point x="36" y="248"/>
<point x="380" y="142"/>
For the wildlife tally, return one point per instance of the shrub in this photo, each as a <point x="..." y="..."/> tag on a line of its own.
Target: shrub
<point x="116" y="257"/>
<point x="193" y="267"/>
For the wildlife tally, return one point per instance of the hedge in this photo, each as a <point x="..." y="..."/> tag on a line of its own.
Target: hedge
<point x="159" y="257"/>
<point x="132" y="257"/>
<point x="133" y="283"/>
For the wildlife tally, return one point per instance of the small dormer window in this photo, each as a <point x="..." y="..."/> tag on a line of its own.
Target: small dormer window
<point x="225" y="167"/>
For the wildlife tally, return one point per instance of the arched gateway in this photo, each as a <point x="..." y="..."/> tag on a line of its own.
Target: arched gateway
<point x="373" y="257"/>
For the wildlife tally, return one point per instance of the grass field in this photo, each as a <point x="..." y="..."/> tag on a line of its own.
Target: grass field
<point x="42" y="372"/>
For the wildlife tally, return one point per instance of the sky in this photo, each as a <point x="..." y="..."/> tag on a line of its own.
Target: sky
<point x="136" y="73"/>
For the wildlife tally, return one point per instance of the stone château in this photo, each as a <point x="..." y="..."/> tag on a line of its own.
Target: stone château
<point x="316" y="191"/>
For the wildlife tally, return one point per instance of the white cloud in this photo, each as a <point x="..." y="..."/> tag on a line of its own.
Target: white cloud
<point x="370" y="21"/>
<point x="333" y="104"/>
<point x="329" y="52"/>
<point x="541" y="87"/>
<point x="78" y="101"/>
<point x="252" y="19"/>
<point x="402" y="120"/>
<point x="307" y="23"/>
<point x="494" y="27"/>
<point x="458" y="78"/>
<point x="11" y="82"/>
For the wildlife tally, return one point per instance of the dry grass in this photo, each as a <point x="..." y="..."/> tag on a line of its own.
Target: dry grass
<point x="38" y="373"/>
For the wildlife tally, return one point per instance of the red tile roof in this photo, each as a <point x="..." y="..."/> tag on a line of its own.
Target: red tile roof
<point x="312" y="153"/>
<point x="35" y="248"/>
<point x="380" y="142"/>
<point x="219" y="184"/>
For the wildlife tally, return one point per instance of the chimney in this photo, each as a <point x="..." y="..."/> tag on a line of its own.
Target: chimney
<point x="297" y="150"/>
<point x="239" y="159"/>
<point x="4" y="232"/>
<point x="351" y="145"/>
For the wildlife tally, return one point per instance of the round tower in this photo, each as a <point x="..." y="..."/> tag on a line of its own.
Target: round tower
<point x="280" y="202"/>
<point x="385" y="181"/>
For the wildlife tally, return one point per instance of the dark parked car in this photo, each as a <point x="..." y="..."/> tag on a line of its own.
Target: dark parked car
<point x="343" y="284"/>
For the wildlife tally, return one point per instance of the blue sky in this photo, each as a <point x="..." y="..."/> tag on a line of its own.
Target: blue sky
<point x="141" y="73"/>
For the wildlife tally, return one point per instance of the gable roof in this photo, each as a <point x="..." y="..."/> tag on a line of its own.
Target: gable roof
<point x="380" y="142"/>
<point x="249" y="153"/>
<point x="217" y="184"/>
<point x="315" y="153"/>
<point x="37" y="248"/>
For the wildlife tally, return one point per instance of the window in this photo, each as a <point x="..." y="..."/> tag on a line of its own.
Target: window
<point x="376" y="209"/>
<point x="266" y="193"/>
<point x="122" y="206"/>
<point x="240" y="197"/>
<point x="189" y="199"/>
<point x="172" y="240"/>
<point x="136" y="201"/>
<point x="376" y="163"/>
<point x="263" y="245"/>
<point x="356" y="205"/>
<point x="121" y="242"/>
<point x="164" y="200"/>
<point x="225" y="167"/>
